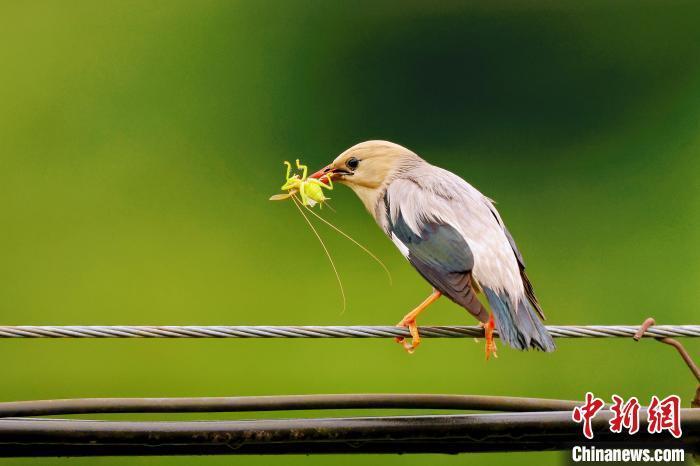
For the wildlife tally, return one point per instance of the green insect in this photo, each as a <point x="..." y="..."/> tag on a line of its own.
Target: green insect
<point x="310" y="192"/>
<point x="310" y="189"/>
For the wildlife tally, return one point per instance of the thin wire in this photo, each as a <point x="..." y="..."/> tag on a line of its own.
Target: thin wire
<point x="358" y="331"/>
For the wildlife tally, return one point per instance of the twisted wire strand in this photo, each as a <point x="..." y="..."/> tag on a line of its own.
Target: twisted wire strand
<point x="354" y="331"/>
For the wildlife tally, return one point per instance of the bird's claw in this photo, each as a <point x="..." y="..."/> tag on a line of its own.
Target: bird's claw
<point x="411" y="346"/>
<point x="491" y="348"/>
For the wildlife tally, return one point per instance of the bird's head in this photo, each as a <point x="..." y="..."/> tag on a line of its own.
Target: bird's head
<point x="367" y="165"/>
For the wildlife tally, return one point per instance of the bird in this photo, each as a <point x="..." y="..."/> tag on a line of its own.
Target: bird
<point x="452" y="235"/>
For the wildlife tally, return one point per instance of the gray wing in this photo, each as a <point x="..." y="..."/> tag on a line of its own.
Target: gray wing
<point x="529" y="291"/>
<point x="442" y="256"/>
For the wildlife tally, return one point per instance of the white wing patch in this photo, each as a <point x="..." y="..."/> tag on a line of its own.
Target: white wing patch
<point x="402" y="247"/>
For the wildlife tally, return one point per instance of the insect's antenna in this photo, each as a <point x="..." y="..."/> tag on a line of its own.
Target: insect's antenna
<point x="354" y="241"/>
<point x="325" y="249"/>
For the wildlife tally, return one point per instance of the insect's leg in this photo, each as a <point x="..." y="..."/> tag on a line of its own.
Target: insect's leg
<point x="305" y="170"/>
<point x="289" y="182"/>
<point x="302" y="193"/>
<point x="320" y="183"/>
<point x="330" y="182"/>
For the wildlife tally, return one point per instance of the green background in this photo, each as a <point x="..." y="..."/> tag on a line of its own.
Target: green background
<point x="139" y="142"/>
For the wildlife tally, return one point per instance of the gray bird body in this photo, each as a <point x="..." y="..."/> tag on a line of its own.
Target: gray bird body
<point x="454" y="236"/>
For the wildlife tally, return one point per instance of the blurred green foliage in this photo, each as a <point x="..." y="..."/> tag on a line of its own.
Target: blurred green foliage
<point x="139" y="142"/>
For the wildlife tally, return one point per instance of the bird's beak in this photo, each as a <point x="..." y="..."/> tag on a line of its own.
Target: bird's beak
<point x="326" y="173"/>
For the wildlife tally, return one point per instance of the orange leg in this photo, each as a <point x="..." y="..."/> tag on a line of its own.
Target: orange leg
<point x="409" y="321"/>
<point x="488" y="333"/>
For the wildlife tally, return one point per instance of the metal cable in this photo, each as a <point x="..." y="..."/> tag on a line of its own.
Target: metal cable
<point x="281" y="403"/>
<point x="354" y="331"/>
<point x="395" y="434"/>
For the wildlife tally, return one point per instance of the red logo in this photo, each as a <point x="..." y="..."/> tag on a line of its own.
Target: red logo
<point x="626" y="415"/>
<point x="587" y="412"/>
<point x="661" y="415"/>
<point x="665" y="415"/>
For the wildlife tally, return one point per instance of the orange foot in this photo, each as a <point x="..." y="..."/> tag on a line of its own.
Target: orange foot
<point x="411" y="346"/>
<point x="409" y="321"/>
<point x="488" y="333"/>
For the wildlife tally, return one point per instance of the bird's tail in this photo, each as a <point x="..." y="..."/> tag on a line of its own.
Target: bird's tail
<point x="518" y="327"/>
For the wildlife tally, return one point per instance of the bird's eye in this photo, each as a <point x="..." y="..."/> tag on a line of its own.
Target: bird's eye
<point x="352" y="163"/>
